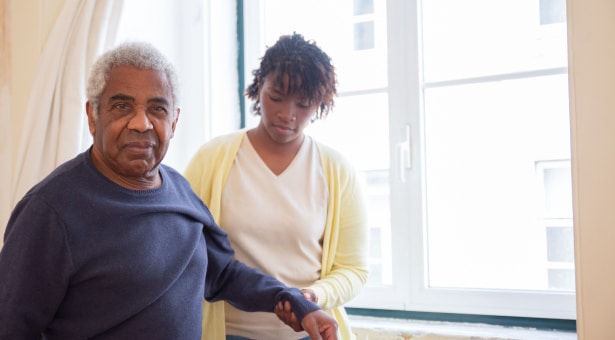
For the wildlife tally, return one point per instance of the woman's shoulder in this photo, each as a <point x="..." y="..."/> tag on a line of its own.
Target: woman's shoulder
<point x="332" y="156"/>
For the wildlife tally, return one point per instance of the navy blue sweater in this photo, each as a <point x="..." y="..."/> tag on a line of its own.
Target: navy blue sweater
<point x="85" y="258"/>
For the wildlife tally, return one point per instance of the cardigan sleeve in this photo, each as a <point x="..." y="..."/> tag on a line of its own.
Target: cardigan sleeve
<point x="345" y="250"/>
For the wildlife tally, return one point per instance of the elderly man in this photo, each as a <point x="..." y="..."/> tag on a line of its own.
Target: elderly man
<point x="114" y="245"/>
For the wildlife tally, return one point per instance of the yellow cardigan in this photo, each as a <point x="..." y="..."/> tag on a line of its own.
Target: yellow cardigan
<point x="344" y="264"/>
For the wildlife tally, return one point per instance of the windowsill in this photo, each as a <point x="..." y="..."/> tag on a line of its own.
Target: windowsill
<point x="368" y="327"/>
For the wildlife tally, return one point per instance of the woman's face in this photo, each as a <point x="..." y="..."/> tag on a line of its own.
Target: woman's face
<point x="284" y="117"/>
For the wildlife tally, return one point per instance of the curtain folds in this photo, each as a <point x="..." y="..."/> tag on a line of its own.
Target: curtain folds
<point x="55" y="121"/>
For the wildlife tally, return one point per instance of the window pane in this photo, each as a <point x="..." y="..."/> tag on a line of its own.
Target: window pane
<point x="495" y="125"/>
<point x="346" y="130"/>
<point x="475" y="38"/>
<point x="485" y="206"/>
<point x="363" y="7"/>
<point x="364" y="35"/>
<point x="337" y="31"/>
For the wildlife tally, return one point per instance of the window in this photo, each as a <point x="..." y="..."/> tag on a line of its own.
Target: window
<point x="456" y="114"/>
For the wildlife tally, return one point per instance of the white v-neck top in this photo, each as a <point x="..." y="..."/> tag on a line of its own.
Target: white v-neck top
<point x="275" y="223"/>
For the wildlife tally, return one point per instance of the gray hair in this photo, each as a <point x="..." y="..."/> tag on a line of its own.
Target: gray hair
<point x="141" y="55"/>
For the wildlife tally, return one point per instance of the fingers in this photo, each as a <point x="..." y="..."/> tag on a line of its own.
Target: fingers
<point x="283" y="311"/>
<point x="279" y="310"/>
<point x="295" y="322"/>
<point x="309" y="294"/>
<point x="328" y="332"/>
<point x="311" y="327"/>
<point x="319" y="325"/>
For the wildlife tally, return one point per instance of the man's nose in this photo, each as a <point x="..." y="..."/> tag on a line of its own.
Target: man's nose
<point x="140" y="121"/>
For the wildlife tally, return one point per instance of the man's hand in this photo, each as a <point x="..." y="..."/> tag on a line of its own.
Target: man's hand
<point x="285" y="313"/>
<point x="318" y="324"/>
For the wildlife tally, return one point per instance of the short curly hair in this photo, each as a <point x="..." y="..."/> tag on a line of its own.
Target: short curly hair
<point x="141" y="55"/>
<point x="309" y="69"/>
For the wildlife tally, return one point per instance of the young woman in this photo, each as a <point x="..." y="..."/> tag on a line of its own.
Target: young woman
<point x="292" y="207"/>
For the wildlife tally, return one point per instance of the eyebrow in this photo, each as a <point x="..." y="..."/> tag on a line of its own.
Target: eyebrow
<point x="278" y="90"/>
<point x="120" y="96"/>
<point x="159" y="100"/>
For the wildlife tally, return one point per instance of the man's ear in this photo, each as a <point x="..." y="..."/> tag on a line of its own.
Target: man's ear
<point x="174" y="123"/>
<point x="89" y="109"/>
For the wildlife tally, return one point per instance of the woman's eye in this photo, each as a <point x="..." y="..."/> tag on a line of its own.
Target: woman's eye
<point x="304" y="104"/>
<point x="275" y="99"/>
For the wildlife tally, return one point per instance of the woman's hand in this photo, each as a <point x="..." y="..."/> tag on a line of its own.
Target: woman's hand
<point x="309" y="294"/>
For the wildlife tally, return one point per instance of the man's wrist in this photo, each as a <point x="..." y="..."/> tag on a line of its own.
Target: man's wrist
<point x="300" y="305"/>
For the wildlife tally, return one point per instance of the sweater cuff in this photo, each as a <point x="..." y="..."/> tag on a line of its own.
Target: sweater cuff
<point x="300" y="305"/>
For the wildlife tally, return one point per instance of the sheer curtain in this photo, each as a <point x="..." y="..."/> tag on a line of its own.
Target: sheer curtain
<point x="55" y="121"/>
<point x="6" y="154"/>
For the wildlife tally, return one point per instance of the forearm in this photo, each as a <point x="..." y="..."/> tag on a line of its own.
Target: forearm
<point x="242" y="286"/>
<point x="339" y="287"/>
<point x="346" y="269"/>
<point x="252" y="291"/>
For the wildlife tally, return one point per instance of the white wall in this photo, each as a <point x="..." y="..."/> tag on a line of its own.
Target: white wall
<point x="592" y="85"/>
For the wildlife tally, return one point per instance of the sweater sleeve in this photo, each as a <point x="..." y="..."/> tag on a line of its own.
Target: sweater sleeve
<point x="345" y="256"/>
<point x="35" y="265"/>
<point x="242" y="286"/>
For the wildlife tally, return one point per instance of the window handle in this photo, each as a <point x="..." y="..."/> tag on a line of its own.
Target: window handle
<point x="405" y="153"/>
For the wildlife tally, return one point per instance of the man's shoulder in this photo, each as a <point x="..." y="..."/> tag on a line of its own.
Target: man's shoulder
<point x="64" y="174"/>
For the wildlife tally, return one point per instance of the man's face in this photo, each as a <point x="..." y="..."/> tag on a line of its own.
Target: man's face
<point x="134" y="126"/>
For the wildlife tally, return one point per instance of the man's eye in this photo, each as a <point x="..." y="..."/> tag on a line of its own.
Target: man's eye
<point x="159" y="109"/>
<point x="122" y="106"/>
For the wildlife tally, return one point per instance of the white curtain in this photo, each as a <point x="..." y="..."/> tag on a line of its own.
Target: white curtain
<point x="55" y="122"/>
